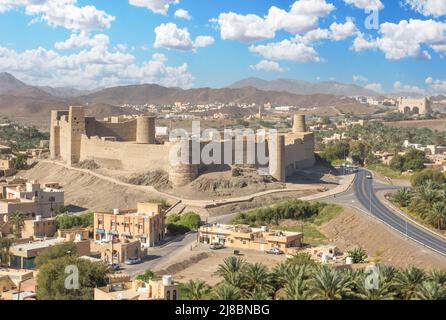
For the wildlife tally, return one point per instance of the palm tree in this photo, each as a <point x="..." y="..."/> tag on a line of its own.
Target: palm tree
<point x="430" y="290"/>
<point x="384" y="290"/>
<point x="424" y="198"/>
<point x="17" y="221"/>
<point x="226" y="291"/>
<point x="402" y="197"/>
<point x="408" y="281"/>
<point x="5" y="244"/>
<point x="437" y="215"/>
<point x="257" y="278"/>
<point x="258" y="295"/>
<point x="438" y="276"/>
<point x="230" y="265"/>
<point x="297" y="288"/>
<point x="197" y="290"/>
<point x="329" y="284"/>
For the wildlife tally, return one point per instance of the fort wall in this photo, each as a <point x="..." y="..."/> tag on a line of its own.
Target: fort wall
<point x="125" y="155"/>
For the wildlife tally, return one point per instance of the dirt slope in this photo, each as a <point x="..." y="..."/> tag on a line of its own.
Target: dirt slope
<point x="87" y="191"/>
<point x="352" y="229"/>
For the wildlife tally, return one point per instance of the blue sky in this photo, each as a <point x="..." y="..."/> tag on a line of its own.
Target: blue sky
<point x="196" y="43"/>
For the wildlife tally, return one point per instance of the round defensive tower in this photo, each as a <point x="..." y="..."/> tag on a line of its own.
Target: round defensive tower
<point x="182" y="171"/>
<point x="299" y="125"/>
<point x="145" y="130"/>
<point x="277" y="159"/>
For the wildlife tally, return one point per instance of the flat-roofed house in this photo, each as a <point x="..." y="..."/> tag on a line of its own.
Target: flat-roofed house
<point x="245" y="237"/>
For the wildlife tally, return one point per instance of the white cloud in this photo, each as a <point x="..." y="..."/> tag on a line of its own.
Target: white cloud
<point x="171" y="37"/>
<point x="62" y="13"/>
<point x="287" y="50"/>
<point x="203" y="41"/>
<point x="436" y="86"/>
<point x="336" y="32"/>
<point x="303" y="16"/>
<point x="365" y="4"/>
<point x="97" y="66"/>
<point x="406" y="39"/>
<point x="434" y="8"/>
<point x="341" y="31"/>
<point x="359" y="78"/>
<point x="183" y="14"/>
<point x="156" y="6"/>
<point x="377" y="87"/>
<point x="83" y="40"/>
<point x="405" y="88"/>
<point x="249" y="28"/>
<point x="266" y="65"/>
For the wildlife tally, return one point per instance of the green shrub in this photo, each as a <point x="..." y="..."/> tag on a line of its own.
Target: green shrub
<point x="358" y="255"/>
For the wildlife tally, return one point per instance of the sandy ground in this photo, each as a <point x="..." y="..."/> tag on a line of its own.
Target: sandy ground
<point x="86" y="191"/>
<point x="438" y="124"/>
<point x="352" y="229"/>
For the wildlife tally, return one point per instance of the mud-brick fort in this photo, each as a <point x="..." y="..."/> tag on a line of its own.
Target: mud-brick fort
<point x="129" y="143"/>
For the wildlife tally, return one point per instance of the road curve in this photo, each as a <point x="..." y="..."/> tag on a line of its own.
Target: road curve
<point x="365" y="194"/>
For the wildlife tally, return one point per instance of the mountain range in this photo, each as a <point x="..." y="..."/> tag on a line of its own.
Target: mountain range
<point x="32" y="104"/>
<point x="305" y="88"/>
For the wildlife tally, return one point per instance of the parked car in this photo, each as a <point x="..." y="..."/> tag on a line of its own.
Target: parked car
<point x="369" y="176"/>
<point x="216" y="246"/>
<point x="132" y="261"/>
<point x="274" y="251"/>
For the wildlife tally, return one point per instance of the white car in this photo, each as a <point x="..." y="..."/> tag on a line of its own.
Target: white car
<point x="274" y="251"/>
<point x="132" y="261"/>
<point x="369" y="176"/>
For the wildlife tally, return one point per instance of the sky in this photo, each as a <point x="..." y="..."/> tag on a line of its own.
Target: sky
<point x="384" y="45"/>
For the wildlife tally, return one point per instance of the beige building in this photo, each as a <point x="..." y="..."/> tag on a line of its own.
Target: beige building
<point x="23" y="255"/>
<point x="415" y="106"/>
<point x="130" y="143"/>
<point x="117" y="251"/>
<point x="125" y="289"/>
<point x="6" y="168"/>
<point x="245" y="237"/>
<point x="31" y="198"/>
<point x="39" y="228"/>
<point x="145" y="224"/>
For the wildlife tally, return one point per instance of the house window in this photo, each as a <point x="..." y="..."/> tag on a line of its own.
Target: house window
<point x="168" y="295"/>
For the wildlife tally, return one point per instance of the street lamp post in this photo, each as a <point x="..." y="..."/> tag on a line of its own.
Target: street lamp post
<point x="370" y="196"/>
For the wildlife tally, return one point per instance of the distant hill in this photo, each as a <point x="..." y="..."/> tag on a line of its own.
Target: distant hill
<point x="304" y="88"/>
<point x="32" y="104"/>
<point x="64" y="92"/>
<point x="9" y="83"/>
<point x="150" y="93"/>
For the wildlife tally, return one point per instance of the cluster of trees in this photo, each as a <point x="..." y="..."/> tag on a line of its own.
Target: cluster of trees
<point x="181" y="224"/>
<point x="57" y="264"/>
<point x="359" y="151"/>
<point x="426" y="198"/>
<point x="303" y="279"/>
<point x="292" y="209"/>
<point x="413" y="160"/>
<point x="22" y="138"/>
<point x="68" y="221"/>
<point x="375" y="136"/>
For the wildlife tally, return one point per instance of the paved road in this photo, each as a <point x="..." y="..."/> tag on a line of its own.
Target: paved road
<point x="363" y="195"/>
